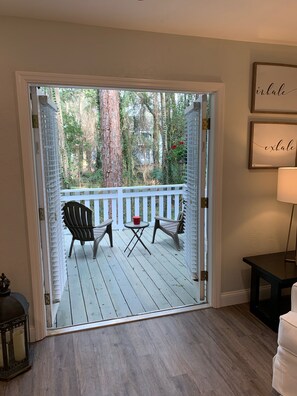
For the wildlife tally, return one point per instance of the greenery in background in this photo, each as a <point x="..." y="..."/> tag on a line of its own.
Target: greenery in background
<point x="177" y="158"/>
<point x="152" y="133"/>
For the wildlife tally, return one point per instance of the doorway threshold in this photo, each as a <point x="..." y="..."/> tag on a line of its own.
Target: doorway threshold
<point x="130" y="319"/>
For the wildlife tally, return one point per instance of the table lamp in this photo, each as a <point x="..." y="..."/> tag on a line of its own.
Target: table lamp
<point x="287" y="192"/>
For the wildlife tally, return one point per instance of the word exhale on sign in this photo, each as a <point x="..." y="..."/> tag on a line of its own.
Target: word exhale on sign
<point x="281" y="145"/>
<point x="274" y="88"/>
<point x="272" y="144"/>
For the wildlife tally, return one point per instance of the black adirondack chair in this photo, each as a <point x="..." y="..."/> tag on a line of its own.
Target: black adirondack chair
<point x="78" y="219"/>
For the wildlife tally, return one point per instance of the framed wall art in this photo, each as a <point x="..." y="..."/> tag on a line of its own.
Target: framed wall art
<point x="274" y="88"/>
<point x="272" y="144"/>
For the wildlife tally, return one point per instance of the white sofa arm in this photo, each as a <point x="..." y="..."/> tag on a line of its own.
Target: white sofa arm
<point x="284" y="379"/>
<point x="294" y="298"/>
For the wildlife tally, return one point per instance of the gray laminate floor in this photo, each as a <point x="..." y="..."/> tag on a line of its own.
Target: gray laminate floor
<point x="210" y="352"/>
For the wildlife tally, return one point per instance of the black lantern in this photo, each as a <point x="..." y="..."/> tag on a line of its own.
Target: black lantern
<point x="14" y="332"/>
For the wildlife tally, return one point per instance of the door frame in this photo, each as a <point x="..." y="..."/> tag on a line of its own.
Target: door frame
<point x="25" y="79"/>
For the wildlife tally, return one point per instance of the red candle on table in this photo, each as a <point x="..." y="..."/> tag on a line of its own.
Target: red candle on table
<point x="136" y="220"/>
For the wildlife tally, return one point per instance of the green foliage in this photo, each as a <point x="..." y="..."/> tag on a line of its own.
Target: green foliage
<point x="157" y="174"/>
<point x="92" y="97"/>
<point x="69" y="94"/>
<point x="92" y="179"/>
<point x="82" y="145"/>
<point x="73" y="132"/>
<point x="177" y="152"/>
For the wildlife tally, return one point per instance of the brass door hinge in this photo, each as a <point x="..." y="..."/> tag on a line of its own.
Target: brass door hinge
<point x="41" y="214"/>
<point x="204" y="202"/>
<point x="47" y="298"/>
<point x="205" y="124"/>
<point x="35" y="123"/>
<point x="204" y="276"/>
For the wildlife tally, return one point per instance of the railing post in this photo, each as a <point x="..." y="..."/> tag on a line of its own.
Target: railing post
<point x="120" y="208"/>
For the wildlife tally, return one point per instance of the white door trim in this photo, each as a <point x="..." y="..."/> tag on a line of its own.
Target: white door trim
<point x="24" y="79"/>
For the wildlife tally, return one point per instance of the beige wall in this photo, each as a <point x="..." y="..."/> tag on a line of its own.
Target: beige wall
<point x="253" y="221"/>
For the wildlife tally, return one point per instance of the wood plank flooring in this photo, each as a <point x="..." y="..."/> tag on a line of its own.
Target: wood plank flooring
<point x="117" y="286"/>
<point x="209" y="352"/>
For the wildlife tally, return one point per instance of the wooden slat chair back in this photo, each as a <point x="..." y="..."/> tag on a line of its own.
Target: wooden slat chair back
<point x="78" y="219"/>
<point x="170" y="227"/>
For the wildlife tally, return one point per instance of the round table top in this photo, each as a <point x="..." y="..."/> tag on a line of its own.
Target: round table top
<point x="142" y="224"/>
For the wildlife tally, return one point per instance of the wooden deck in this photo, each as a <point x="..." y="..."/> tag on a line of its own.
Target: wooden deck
<point x="117" y="286"/>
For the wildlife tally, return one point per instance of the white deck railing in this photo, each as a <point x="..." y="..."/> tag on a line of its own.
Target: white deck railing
<point x="121" y="203"/>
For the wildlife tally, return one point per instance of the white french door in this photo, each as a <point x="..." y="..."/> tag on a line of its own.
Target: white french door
<point x="196" y="194"/>
<point x="45" y="131"/>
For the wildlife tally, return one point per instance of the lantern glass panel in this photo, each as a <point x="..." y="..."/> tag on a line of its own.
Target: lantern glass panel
<point x="14" y="332"/>
<point x="19" y="348"/>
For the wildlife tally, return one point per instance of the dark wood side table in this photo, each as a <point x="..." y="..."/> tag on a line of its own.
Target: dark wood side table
<point x="280" y="274"/>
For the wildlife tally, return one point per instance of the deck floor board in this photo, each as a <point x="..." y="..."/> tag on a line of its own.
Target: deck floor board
<point x="91" y="304"/>
<point x="116" y="286"/>
<point x="128" y="266"/>
<point x="76" y="298"/>
<point x="168" y="280"/>
<point x="144" y="276"/>
<point x="64" y="312"/>
<point x="118" y="299"/>
<point x="101" y="290"/>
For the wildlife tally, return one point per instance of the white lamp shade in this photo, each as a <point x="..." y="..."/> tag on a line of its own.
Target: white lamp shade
<point x="287" y="185"/>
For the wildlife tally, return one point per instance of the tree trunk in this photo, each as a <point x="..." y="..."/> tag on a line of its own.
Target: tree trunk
<point x="156" y="132"/>
<point x="112" y="166"/>
<point x="164" y="137"/>
<point x="170" y="113"/>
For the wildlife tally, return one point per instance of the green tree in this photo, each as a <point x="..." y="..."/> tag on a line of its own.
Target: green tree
<point x="110" y="137"/>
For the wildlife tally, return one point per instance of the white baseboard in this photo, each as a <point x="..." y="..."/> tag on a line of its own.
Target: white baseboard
<point x="235" y="297"/>
<point x="242" y="296"/>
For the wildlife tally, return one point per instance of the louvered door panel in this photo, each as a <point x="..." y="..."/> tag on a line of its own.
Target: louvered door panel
<point x="192" y="191"/>
<point x="49" y="134"/>
<point x="196" y="189"/>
